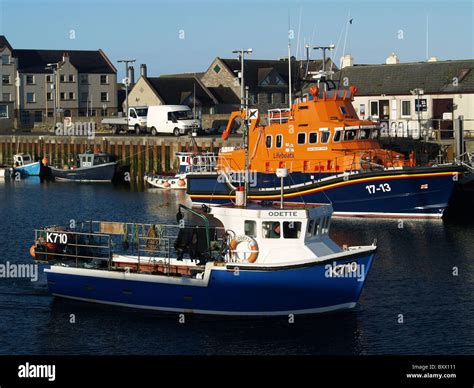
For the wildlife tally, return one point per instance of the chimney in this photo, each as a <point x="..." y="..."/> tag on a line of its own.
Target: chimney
<point x="347" y="60"/>
<point x="131" y="75"/>
<point x="143" y="70"/>
<point x="432" y="59"/>
<point x="392" y="59"/>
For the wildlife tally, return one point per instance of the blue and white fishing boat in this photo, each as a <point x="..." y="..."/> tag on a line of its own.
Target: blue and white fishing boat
<point x="25" y="166"/>
<point x="256" y="260"/>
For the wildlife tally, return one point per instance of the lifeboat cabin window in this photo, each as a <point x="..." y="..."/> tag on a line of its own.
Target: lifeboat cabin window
<point x="313" y="137"/>
<point x="302" y="138"/>
<point x="291" y="229"/>
<point x="250" y="228"/>
<point x="364" y="134"/>
<point x="337" y="135"/>
<point x="271" y="229"/>
<point x="268" y="141"/>
<point x="278" y="141"/>
<point x="350" y="134"/>
<point x="343" y="110"/>
<point x="325" y="134"/>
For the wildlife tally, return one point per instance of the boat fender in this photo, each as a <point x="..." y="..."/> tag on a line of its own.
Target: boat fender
<point x="251" y="243"/>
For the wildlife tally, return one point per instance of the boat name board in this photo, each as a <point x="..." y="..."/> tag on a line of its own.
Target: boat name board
<point x="283" y="213"/>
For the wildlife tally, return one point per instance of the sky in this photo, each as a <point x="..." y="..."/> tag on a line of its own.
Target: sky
<point x="185" y="36"/>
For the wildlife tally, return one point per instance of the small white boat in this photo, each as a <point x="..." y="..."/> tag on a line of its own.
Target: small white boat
<point x="188" y="162"/>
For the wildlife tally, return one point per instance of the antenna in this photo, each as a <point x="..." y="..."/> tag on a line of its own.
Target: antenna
<point x="289" y="63"/>
<point x="348" y="21"/>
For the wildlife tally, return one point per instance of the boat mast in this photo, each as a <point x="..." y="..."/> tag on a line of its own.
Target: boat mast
<point x="289" y="74"/>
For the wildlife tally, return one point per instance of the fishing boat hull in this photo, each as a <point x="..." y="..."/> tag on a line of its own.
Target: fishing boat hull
<point x="229" y="289"/>
<point x="404" y="192"/>
<point x="100" y="173"/>
<point x="32" y="169"/>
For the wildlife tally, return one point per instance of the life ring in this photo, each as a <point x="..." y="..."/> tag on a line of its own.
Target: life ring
<point x="181" y="182"/>
<point x="251" y="243"/>
<point x="166" y="184"/>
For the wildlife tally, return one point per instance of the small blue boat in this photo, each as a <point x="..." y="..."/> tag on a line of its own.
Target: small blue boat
<point x="25" y="166"/>
<point x="248" y="261"/>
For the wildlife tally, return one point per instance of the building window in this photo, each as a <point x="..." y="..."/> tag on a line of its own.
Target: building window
<point x="374" y="108"/>
<point x="301" y="138"/>
<point x="217" y="69"/>
<point x="406" y="108"/>
<point x="3" y="111"/>
<point x="62" y="78"/>
<point x="6" y="97"/>
<point x="104" y="79"/>
<point x="84" y="97"/>
<point x="254" y="98"/>
<point x="270" y="98"/>
<point x="30" y="79"/>
<point x="30" y="97"/>
<point x="6" y="79"/>
<point x="93" y="112"/>
<point x="268" y="141"/>
<point x="313" y="137"/>
<point x="49" y="96"/>
<point x="71" y="78"/>
<point x="62" y="96"/>
<point x="72" y="96"/>
<point x="84" y="79"/>
<point x="49" y="78"/>
<point x="104" y="96"/>
<point x="38" y="116"/>
<point x="5" y="59"/>
<point x="278" y="141"/>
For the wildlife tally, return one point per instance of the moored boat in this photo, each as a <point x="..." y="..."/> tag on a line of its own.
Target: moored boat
<point x="90" y="167"/>
<point x="24" y="165"/>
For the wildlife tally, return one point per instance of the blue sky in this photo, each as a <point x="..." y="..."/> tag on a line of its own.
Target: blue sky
<point x="150" y="30"/>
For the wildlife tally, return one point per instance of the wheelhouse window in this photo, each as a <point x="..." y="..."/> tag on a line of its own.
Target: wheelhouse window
<point x="278" y="141"/>
<point x="250" y="228"/>
<point x="313" y="137"/>
<point x="350" y="134"/>
<point x="268" y="141"/>
<point x="310" y="229"/>
<point x="337" y="135"/>
<point x="364" y="134"/>
<point x="271" y="229"/>
<point x="325" y="134"/>
<point x="302" y="138"/>
<point x="291" y="229"/>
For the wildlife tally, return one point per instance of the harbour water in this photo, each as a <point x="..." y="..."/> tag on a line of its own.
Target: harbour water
<point x="417" y="299"/>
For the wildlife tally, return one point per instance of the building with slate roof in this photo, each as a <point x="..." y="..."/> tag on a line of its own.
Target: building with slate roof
<point x="387" y="92"/>
<point x="86" y="84"/>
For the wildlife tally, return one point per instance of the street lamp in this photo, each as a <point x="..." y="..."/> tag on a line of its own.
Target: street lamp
<point x="419" y="92"/>
<point x="324" y="48"/>
<point x="126" y="82"/>
<point x="241" y="53"/>
<point x="55" y="67"/>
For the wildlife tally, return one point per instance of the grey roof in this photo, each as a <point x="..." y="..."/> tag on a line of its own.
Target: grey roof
<point x="225" y="95"/>
<point x="35" y="61"/>
<point x="184" y="75"/>
<point x="399" y="79"/>
<point x="255" y="70"/>
<point x="4" y="42"/>
<point x="180" y="90"/>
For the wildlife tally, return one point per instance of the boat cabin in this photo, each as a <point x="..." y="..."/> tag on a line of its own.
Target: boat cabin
<point x="21" y="160"/>
<point x="90" y="159"/>
<point x="277" y="233"/>
<point x="196" y="162"/>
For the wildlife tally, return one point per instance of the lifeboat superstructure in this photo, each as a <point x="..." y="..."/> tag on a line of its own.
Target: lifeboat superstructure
<point x="332" y="156"/>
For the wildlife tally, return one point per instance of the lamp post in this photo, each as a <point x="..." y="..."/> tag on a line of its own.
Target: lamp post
<point x="126" y="82"/>
<point x="242" y="53"/>
<point x="55" y="68"/>
<point x="419" y="92"/>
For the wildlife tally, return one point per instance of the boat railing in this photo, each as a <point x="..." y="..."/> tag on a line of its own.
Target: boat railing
<point x="278" y="116"/>
<point x="102" y="244"/>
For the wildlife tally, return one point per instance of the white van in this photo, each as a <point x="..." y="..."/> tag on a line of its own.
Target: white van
<point x="175" y="119"/>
